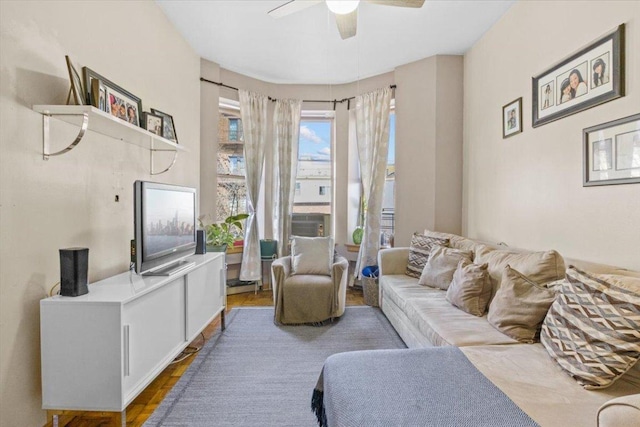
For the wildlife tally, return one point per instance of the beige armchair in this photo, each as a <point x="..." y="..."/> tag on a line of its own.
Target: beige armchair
<point x="307" y="298"/>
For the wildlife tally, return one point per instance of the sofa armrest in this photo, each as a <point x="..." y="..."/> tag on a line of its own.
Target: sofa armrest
<point x="393" y="260"/>
<point x="620" y="412"/>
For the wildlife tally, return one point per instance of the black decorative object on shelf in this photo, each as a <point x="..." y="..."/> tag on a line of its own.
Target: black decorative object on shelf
<point x="74" y="265"/>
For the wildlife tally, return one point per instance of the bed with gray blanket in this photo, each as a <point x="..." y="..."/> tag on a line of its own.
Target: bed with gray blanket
<point x="416" y="387"/>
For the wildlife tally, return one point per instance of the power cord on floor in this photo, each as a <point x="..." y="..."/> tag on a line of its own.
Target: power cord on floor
<point x="190" y="350"/>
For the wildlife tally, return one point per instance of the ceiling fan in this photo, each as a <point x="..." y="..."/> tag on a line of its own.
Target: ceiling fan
<point x="346" y="11"/>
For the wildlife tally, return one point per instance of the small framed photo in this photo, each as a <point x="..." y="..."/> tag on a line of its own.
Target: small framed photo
<point x="153" y="123"/>
<point x="589" y="77"/>
<point x="512" y="118"/>
<point x="77" y="91"/>
<point x="612" y="152"/>
<point x="118" y="102"/>
<point x="98" y="95"/>
<point x="168" y="127"/>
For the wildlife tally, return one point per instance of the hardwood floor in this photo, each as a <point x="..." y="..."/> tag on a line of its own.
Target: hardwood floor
<point x="143" y="406"/>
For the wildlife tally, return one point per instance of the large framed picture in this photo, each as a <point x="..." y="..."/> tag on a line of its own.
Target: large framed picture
<point x="512" y="118"/>
<point x="118" y="102"/>
<point x="612" y="152"/>
<point x="168" y="127"/>
<point x="589" y="77"/>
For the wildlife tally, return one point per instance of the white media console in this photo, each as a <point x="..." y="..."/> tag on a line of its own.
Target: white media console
<point x="100" y="350"/>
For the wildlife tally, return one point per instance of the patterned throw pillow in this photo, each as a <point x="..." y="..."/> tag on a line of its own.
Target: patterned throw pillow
<point x="593" y="329"/>
<point x="419" y="252"/>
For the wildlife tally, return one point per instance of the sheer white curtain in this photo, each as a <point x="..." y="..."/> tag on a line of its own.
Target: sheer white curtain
<point x="253" y="111"/>
<point x="286" y="128"/>
<point x="372" y="134"/>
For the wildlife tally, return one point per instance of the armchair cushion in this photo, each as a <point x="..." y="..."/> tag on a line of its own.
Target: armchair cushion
<point x="311" y="255"/>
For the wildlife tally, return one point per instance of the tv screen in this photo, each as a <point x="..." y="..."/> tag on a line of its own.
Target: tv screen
<point x="165" y="224"/>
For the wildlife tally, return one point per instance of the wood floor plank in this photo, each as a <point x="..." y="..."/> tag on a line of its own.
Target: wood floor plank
<point x="150" y="398"/>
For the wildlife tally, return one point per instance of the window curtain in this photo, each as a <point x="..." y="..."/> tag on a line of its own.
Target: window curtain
<point x="253" y="111"/>
<point x="372" y="135"/>
<point x="286" y="126"/>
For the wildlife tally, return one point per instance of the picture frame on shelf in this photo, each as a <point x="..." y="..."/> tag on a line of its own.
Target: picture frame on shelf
<point x="612" y="152"/>
<point x="168" y="127"/>
<point x="153" y="123"/>
<point x="115" y="98"/>
<point x="121" y="106"/>
<point x="98" y="95"/>
<point x="76" y="92"/>
<point x="592" y="76"/>
<point x="512" y="118"/>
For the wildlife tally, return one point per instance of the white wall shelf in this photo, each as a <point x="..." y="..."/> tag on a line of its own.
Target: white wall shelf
<point x="90" y="118"/>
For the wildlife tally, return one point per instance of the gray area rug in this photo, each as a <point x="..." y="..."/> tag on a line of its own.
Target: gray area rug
<point x="258" y="374"/>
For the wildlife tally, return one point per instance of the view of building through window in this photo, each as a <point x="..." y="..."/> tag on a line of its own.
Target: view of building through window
<point x="232" y="189"/>
<point x="312" y="199"/>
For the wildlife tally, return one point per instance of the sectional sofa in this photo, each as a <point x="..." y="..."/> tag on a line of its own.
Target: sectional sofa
<point x="423" y="317"/>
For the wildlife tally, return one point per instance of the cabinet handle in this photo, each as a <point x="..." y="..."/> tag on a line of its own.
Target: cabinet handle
<point x="127" y="370"/>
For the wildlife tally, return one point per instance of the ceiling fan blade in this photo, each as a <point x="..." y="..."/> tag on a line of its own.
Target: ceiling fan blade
<point x="347" y="24"/>
<point x="399" y="3"/>
<point x="292" y="6"/>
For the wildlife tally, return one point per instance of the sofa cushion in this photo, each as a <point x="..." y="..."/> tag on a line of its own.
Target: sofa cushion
<point x="520" y="306"/>
<point x="419" y="252"/>
<point x="593" y="329"/>
<point x="470" y="288"/>
<point x="311" y="255"/>
<point x="442" y="263"/>
<point x="534" y="382"/>
<point x="400" y="288"/>
<point x="541" y="267"/>
<point x="444" y="324"/>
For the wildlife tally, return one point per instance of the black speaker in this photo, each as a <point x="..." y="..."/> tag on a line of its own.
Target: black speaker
<point x="74" y="264"/>
<point x="201" y="242"/>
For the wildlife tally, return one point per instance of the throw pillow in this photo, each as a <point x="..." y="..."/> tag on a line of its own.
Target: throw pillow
<point x="311" y="255"/>
<point x="470" y="288"/>
<point x="520" y="306"/>
<point x="442" y="263"/>
<point x="592" y="329"/>
<point x="541" y="267"/>
<point x="419" y="253"/>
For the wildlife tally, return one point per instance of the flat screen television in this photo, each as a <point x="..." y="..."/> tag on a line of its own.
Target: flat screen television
<point x="165" y="226"/>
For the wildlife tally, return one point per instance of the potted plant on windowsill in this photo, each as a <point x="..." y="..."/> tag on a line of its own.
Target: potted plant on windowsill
<point x="221" y="234"/>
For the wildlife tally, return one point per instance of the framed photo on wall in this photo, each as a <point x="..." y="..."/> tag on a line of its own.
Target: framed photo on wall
<point x="612" y="152"/>
<point x="589" y="77"/>
<point x="512" y="118"/>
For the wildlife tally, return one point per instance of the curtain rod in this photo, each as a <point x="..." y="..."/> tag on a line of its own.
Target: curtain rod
<point x="334" y="102"/>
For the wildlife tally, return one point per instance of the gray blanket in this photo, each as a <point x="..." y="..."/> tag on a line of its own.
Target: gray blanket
<point x="419" y="387"/>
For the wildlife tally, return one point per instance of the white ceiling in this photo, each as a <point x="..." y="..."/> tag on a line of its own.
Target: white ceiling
<point x="306" y="48"/>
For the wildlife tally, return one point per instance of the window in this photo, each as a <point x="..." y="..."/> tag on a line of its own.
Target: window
<point x="312" y="201"/>
<point x="232" y="190"/>
<point x="387" y="221"/>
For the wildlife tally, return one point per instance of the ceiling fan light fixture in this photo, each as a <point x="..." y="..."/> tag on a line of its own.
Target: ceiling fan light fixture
<point x="342" y="7"/>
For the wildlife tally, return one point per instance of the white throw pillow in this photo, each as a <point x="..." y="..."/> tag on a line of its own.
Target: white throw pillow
<point x="312" y="255"/>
